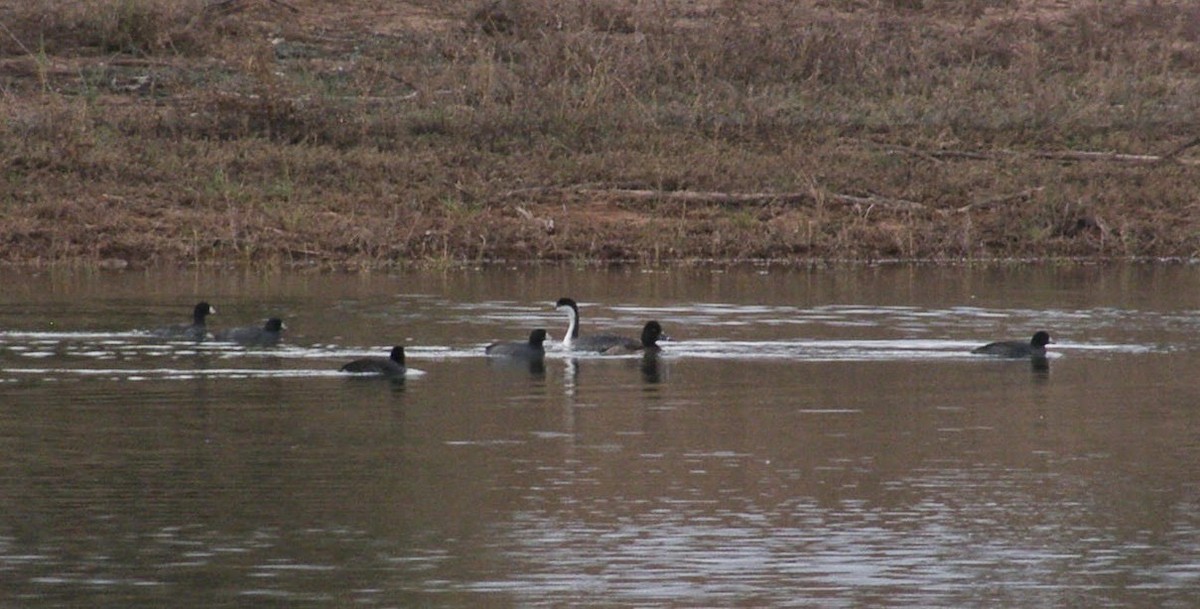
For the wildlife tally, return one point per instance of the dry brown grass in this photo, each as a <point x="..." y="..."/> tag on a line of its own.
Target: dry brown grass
<point x="372" y="133"/>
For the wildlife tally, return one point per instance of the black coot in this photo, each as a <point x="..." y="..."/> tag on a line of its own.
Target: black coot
<point x="531" y="349"/>
<point x="197" y="330"/>
<point x="267" y="334"/>
<point x="391" y="367"/>
<point x="1035" y="347"/>
<point x="652" y="332"/>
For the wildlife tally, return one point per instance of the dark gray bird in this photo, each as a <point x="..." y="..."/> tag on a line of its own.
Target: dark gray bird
<point x="1036" y="347"/>
<point x="652" y="332"/>
<point x="390" y="367"/>
<point x="531" y="349"/>
<point x="196" y="330"/>
<point x="265" y="335"/>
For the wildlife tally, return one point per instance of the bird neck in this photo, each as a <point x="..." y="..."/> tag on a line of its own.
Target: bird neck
<point x="572" y="327"/>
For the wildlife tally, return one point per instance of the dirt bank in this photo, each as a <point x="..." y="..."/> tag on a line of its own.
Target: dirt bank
<point x="374" y="133"/>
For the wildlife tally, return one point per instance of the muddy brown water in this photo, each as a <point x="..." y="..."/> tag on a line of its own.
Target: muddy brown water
<point x="810" y="438"/>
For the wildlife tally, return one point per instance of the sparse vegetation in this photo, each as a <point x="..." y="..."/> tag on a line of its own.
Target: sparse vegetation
<point x="374" y="133"/>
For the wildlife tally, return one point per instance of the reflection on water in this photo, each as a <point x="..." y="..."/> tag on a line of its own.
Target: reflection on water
<point x="812" y="439"/>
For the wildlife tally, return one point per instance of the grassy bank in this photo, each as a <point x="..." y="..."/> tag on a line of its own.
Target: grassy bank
<point x="377" y="132"/>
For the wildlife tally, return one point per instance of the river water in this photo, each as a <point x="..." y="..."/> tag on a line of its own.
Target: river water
<point x="810" y="438"/>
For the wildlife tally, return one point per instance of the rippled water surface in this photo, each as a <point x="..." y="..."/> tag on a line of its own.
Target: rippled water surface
<point x="808" y="439"/>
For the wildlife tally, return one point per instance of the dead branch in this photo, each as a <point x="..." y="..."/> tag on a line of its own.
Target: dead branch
<point x="1085" y="155"/>
<point x="1065" y="155"/>
<point x="720" y="198"/>
<point x="968" y="155"/>
<point x="225" y="7"/>
<point x="998" y="199"/>
<point x="228" y="7"/>
<point x="1170" y="156"/>
<point x="544" y="190"/>
<point x="696" y="196"/>
<point x="921" y="154"/>
<point x="874" y="201"/>
<point x="285" y="5"/>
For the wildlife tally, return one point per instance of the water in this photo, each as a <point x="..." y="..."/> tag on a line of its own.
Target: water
<point x="810" y="439"/>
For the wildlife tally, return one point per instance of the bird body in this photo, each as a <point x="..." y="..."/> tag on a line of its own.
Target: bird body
<point x="531" y="349"/>
<point x="267" y="334"/>
<point x="197" y="330"/>
<point x="652" y="332"/>
<point x="392" y="366"/>
<point x="574" y="342"/>
<point x="1034" y="347"/>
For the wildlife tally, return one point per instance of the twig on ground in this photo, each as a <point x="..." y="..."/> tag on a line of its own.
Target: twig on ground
<point x="226" y="7"/>
<point x="1059" y="155"/>
<point x="1087" y="155"/>
<point x="719" y="198"/>
<point x="1171" y="156"/>
<point x="921" y="154"/>
<point x="696" y="196"/>
<point x="874" y="200"/>
<point x="996" y="200"/>
<point x="285" y="5"/>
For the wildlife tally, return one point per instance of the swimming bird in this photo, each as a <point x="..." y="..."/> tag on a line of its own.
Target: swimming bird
<point x="392" y="366"/>
<point x="574" y="342"/>
<point x="196" y="330"/>
<point x="267" y="334"/>
<point x="531" y="349"/>
<point x="1036" y="347"/>
<point x="652" y="332"/>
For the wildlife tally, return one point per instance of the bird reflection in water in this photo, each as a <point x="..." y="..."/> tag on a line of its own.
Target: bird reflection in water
<point x="535" y="366"/>
<point x="650" y="369"/>
<point x="1040" y="367"/>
